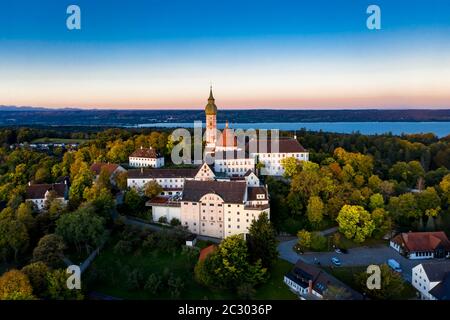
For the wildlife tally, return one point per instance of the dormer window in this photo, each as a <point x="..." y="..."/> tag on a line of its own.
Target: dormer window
<point x="260" y="196"/>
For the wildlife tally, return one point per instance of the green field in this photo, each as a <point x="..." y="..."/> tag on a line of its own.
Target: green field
<point x="115" y="269"/>
<point x="58" y="140"/>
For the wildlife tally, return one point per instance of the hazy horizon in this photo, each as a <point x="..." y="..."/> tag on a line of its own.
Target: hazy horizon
<point x="267" y="54"/>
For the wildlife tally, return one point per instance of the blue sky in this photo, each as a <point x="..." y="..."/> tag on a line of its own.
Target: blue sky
<point x="285" y="54"/>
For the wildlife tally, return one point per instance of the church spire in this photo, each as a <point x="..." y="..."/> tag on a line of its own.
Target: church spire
<point x="211" y="108"/>
<point x="211" y="97"/>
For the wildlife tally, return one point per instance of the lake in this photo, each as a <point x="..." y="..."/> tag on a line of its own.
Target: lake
<point x="441" y="129"/>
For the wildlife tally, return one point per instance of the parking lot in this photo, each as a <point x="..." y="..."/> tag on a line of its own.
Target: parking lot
<point x="362" y="256"/>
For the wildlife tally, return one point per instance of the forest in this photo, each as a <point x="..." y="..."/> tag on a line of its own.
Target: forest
<point x="368" y="186"/>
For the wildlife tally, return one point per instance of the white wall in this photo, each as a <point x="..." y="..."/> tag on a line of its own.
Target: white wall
<point x="166" y="211"/>
<point x="272" y="161"/>
<point x="146" y="162"/>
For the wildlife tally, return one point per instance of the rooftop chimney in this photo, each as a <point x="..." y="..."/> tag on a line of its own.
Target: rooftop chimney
<point x="310" y="286"/>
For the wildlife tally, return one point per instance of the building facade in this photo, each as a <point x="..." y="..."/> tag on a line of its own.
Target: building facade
<point x="146" y="157"/>
<point x="421" y="245"/>
<point x="432" y="280"/>
<point x="39" y="194"/>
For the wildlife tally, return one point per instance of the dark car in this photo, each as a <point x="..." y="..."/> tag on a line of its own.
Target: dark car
<point x="344" y="250"/>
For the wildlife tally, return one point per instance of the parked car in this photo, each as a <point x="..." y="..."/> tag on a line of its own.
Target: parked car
<point x="394" y="265"/>
<point x="344" y="251"/>
<point x="337" y="250"/>
<point x="336" y="261"/>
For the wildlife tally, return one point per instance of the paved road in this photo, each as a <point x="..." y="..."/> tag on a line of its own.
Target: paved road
<point x="362" y="256"/>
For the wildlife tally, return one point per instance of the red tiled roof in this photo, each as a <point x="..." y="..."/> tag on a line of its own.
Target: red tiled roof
<point x="284" y="146"/>
<point x="145" y="153"/>
<point x="422" y="241"/>
<point x="206" y="252"/>
<point x="109" y="167"/>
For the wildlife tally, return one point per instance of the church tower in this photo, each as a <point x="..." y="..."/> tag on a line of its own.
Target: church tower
<point x="211" y="124"/>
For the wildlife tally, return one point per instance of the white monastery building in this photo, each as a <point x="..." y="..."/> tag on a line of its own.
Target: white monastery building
<point x="146" y="157"/>
<point x="38" y="194"/>
<point x="218" y="198"/>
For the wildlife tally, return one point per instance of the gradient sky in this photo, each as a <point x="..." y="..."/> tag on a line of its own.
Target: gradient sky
<point x="256" y="53"/>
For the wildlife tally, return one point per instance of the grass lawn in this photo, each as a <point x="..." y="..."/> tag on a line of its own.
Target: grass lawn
<point x="58" y="140"/>
<point x="115" y="269"/>
<point x="275" y="289"/>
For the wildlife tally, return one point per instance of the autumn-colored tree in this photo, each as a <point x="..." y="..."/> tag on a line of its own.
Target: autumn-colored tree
<point x="152" y="189"/>
<point x="355" y="223"/>
<point x="15" y="285"/>
<point x="304" y="239"/>
<point x="291" y="166"/>
<point x="315" y="210"/>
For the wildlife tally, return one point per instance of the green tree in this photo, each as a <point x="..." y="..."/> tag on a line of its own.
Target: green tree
<point x="392" y="284"/>
<point x="336" y="293"/>
<point x="57" y="286"/>
<point x="229" y="265"/>
<point x="133" y="202"/>
<point x="318" y="242"/>
<point x="50" y="250"/>
<point x="404" y="207"/>
<point x="13" y="235"/>
<point x="153" y="284"/>
<point x="14" y="285"/>
<point x="262" y="242"/>
<point x="25" y="214"/>
<point x="81" y="228"/>
<point x="37" y="273"/>
<point x="376" y="201"/>
<point x="382" y="221"/>
<point x="429" y="201"/>
<point x="355" y="223"/>
<point x="101" y="199"/>
<point x="81" y="181"/>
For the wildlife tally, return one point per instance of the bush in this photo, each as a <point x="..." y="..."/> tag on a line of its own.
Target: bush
<point x="162" y="220"/>
<point x="175" y="222"/>
<point x="153" y="284"/>
<point x="318" y="242"/>
<point x="135" y="279"/>
<point x="123" y="247"/>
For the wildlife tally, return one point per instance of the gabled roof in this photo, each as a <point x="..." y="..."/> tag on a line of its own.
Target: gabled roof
<point x="302" y="273"/>
<point x="109" y="167"/>
<point x="152" y="173"/>
<point x="442" y="290"/>
<point x="146" y="153"/>
<point x="284" y="146"/>
<point x="229" y="191"/>
<point x="422" y="241"/>
<point x="435" y="271"/>
<point x="37" y="191"/>
<point x="254" y="191"/>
